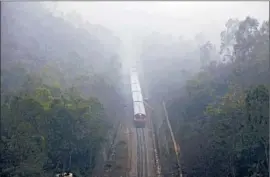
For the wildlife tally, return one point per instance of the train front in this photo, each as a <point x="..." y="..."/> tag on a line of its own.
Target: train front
<point x="139" y="115"/>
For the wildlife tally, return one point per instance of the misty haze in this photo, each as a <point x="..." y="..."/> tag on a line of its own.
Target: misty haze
<point x="135" y="89"/>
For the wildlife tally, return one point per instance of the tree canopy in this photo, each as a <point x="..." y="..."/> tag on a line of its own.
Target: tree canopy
<point x="220" y="114"/>
<point x="58" y="92"/>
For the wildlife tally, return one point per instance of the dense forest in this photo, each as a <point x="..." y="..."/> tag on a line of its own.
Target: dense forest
<point x="219" y="110"/>
<point x="59" y="97"/>
<point x="62" y="95"/>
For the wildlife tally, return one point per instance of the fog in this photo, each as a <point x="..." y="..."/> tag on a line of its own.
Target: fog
<point x="174" y="18"/>
<point x="133" y="21"/>
<point x="66" y="93"/>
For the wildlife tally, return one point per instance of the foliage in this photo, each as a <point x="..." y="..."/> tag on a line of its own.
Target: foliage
<point x="205" y="53"/>
<point x="58" y="92"/>
<point x="41" y="131"/>
<point x="232" y="139"/>
<point x="221" y="116"/>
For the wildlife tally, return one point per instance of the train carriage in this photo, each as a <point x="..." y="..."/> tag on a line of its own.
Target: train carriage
<point x="137" y="96"/>
<point x="135" y="87"/>
<point x="139" y="114"/>
<point x="138" y="104"/>
<point x="134" y="79"/>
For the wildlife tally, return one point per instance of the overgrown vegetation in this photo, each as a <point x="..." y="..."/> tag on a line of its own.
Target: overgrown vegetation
<point x="58" y="93"/>
<point x="220" y="116"/>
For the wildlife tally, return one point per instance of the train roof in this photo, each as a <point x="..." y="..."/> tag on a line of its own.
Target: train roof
<point x="137" y="96"/>
<point x="138" y="108"/>
<point x="134" y="78"/>
<point x="135" y="87"/>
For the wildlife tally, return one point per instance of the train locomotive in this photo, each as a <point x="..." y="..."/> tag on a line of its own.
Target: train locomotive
<point x="137" y="99"/>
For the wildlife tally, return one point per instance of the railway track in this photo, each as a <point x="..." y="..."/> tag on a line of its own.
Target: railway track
<point x="142" y="167"/>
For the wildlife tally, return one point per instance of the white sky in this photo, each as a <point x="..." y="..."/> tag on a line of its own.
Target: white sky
<point x="175" y="18"/>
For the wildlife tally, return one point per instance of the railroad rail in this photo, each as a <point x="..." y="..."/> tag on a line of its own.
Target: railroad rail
<point x="142" y="164"/>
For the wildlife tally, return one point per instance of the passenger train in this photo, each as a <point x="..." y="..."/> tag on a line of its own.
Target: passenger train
<point x="137" y="99"/>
